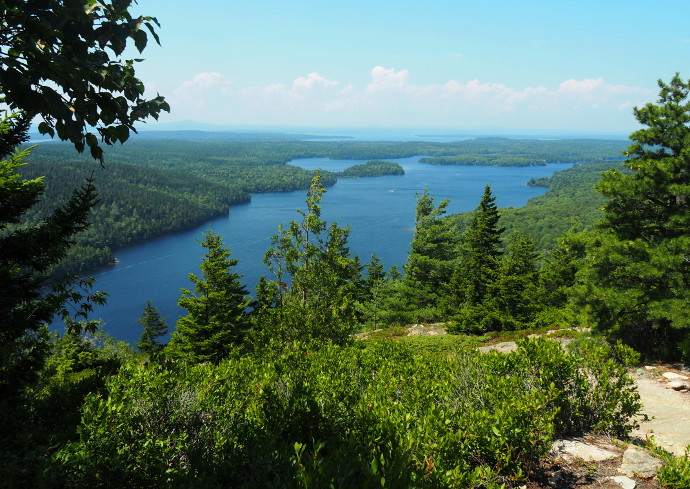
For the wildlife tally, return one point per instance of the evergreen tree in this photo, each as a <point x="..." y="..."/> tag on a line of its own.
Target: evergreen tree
<point x="516" y="296"/>
<point x="154" y="328"/>
<point x="477" y="269"/>
<point x="558" y="281"/>
<point x="316" y="280"/>
<point x="638" y="284"/>
<point x="28" y="299"/>
<point x="376" y="289"/>
<point x="376" y="273"/>
<point x="216" y="319"/>
<point x="431" y="258"/>
<point x="267" y="296"/>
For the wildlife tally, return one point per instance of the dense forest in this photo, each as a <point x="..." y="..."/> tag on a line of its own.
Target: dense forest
<point x="571" y="203"/>
<point x="277" y="389"/>
<point x="153" y="186"/>
<point x="374" y="168"/>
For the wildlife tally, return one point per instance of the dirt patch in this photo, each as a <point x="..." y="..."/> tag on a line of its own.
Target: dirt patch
<point x="668" y="410"/>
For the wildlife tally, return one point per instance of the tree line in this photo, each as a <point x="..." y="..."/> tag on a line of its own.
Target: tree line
<point x="152" y="187"/>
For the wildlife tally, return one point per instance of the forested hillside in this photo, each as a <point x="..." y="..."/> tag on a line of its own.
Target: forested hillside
<point x="525" y="152"/>
<point x="158" y="186"/>
<point x="161" y="193"/>
<point x="134" y="204"/>
<point x="174" y="152"/>
<point x="571" y="203"/>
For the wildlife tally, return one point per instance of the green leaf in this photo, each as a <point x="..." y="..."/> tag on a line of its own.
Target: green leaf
<point x="140" y="40"/>
<point x="44" y="128"/>
<point x="122" y="133"/>
<point x="152" y="30"/>
<point x="91" y="140"/>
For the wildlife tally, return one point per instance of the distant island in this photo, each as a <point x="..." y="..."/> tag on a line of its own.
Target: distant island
<point x="373" y="168"/>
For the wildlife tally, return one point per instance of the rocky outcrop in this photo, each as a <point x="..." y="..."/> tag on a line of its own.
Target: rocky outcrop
<point x="638" y="462"/>
<point x="598" y="462"/>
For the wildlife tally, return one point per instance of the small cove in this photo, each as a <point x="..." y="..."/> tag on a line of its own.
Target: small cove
<point x="379" y="211"/>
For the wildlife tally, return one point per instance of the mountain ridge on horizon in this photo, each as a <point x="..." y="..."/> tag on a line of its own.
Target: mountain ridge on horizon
<point x="371" y="133"/>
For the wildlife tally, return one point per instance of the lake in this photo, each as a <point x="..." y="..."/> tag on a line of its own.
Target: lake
<point x="380" y="212"/>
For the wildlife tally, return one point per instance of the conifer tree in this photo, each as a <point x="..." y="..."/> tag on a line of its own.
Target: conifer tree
<point x="638" y="284"/>
<point x="516" y="296"/>
<point x="477" y="268"/>
<point x="216" y="317"/>
<point x="28" y="298"/>
<point x="481" y="249"/>
<point x="375" y="274"/>
<point x="431" y="258"/>
<point x="558" y="281"/>
<point x="154" y="328"/>
<point x="375" y="289"/>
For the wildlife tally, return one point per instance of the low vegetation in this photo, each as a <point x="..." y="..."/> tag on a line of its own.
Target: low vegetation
<point x="371" y="414"/>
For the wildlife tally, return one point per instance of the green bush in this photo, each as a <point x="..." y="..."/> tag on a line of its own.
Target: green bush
<point x="376" y="414"/>
<point x="676" y="471"/>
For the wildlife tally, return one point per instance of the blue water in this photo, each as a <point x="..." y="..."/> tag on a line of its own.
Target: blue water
<point x="380" y="213"/>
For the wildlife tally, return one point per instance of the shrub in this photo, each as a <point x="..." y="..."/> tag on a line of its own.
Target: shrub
<point x="675" y="473"/>
<point x="376" y="414"/>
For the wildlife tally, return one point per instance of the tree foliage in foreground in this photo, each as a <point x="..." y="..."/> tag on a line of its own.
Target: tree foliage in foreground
<point x="56" y="64"/>
<point x="27" y="253"/>
<point x="61" y="61"/>
<point x="637" y="287"/>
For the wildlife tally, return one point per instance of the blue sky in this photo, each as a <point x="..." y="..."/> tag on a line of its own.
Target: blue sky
<point x="453" y="65"/>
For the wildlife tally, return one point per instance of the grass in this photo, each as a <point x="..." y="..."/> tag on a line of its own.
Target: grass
<point x="444" y="343"/>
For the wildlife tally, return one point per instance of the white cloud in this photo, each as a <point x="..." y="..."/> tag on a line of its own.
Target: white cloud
<point x="204" y="81"/>
<point x="198" y="95"/>
<point x="313" y="80"/>
<point x="386" y="80"/>
<point x="389" y="99"/>
<point x="591" y="89"/>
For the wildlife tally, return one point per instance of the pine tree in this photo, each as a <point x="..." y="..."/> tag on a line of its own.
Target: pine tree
<point x="477" y="268"/>
<point x="154" y="328"/>
<point x="376" y="273"/>
<point x="216" y="319"/>
<point x="516" y="296"/>
<point x="558" y="281"/>
<point x="638" y="284"/>
<point x="431" y="258"/>
<point x="29" y="299"/>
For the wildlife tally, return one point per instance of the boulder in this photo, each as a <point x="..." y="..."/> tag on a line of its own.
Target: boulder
<point x="675" y="376"/>
<point x="572" y="449"/>
<point x="638" y="462"/>
<point x="623" y="481"/>
<point x="678" y="385"/>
